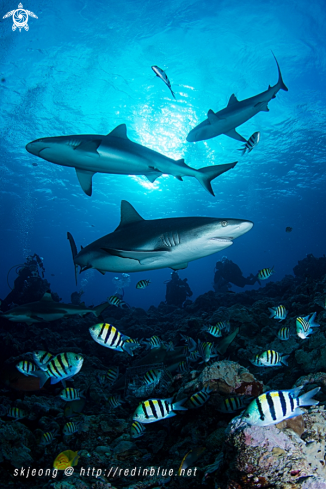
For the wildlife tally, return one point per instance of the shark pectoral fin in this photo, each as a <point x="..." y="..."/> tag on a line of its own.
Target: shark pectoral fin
<point x="235" y="135"/>
<point x="153" y="176"/>
<point x="180" y="266"/>
<point x="85" y="180"/>
<point x="262" y="106"/>
<point x="213" y="119"/>
<point x="178" y="178"/>
<point x="233" y="100"/>
<point x="141" y="256"/>
<point x="88" y="146"/>
<point x="119" y="132"/>
<point x="36" y="318"/>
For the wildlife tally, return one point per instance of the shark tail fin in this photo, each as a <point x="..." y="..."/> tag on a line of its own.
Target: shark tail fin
<point x="208" y="173"/>
<point x="74" y="252"/>
<point x="280" y="79"/>
<point x="99" y="309"/>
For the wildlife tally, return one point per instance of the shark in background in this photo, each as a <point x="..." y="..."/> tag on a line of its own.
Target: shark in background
<point x="47" y="310"/>
<point x="115" y="153"/>
<point x="138" y="245"/>
<point x="236" y="113"/>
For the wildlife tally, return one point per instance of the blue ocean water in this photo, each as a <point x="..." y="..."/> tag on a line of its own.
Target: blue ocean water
<point x="85" y="67"/>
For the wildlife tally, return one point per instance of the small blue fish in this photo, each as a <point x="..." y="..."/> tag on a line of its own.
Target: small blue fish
<point x="278" y="312"/>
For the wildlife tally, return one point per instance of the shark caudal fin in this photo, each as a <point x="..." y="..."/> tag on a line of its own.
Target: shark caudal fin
<point x="99" y="309"/>
<point x="280" y="79"/>
<point x="74" y="252"/>
<point x="208" y="173"/>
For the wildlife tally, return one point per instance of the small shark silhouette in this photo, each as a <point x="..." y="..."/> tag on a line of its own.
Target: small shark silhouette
<point x="236" y="113"/>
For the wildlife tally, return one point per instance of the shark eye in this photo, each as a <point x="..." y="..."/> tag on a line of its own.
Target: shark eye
<point x="224" y="223"/>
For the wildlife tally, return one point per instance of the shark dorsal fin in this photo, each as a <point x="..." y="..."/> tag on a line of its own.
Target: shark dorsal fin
<point x="119" y="132"/>
<point x="47" y="297"/>
<point x="129" y="215"/>
<point x="233" y="100"/>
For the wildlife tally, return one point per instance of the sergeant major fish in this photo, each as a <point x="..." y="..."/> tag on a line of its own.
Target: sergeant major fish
<point x="251" y="143"/>
<point x="142" y="284"/>
<point x="278" y="312"/>
<point x="304" y="325"/>
<point x="108" y="336"/>
<point x="70" y="394"/>
<point x="283" y="333"/>
<point x="61" y="367"/>
<point x="271" y="358"/>
<point x="265" y="273"/>
<point x="199" y="398"/>
<point x="157" y="409"/>
<point x="274" y="406"/>
<point x="26" y="368"/>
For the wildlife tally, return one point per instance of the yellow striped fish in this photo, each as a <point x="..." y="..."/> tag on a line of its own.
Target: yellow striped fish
<point x="215" y="331"/>
<point x="107" y="335"/>
<point x="274" y="406"/>
<point x="110" y="377"/>
<point x="152" y="376"/>
<point x="199" y="398"/>
<point x="70" y="394"/>
<point x="26" y="368"/>
<point x="304" y="326"/>
<point x="278" y="312"/>
<point x="283" y="333"/>
<point x="157" y="409"/>
<point x="114" y="301"/>
<point x="114" y="401"/>
<point x="61" y="367"/>
<point x="271" y="358"/>
<point x="42" y="358"/>
<point x="265" y="273"/>
<point x="232" y="404"/>
<point x="47" y="438"/>
<point x="137" y="429"/>
<point x="142" y="284"/>
<point x="71" y="427"/>
<point x="16" y="413"/>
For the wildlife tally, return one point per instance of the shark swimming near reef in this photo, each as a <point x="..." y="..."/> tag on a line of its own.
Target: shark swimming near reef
<point x="115" y="153"/>
<point x="48" y="310"/>
<point x="236" y="113"/>
<point x="138" y="245"/>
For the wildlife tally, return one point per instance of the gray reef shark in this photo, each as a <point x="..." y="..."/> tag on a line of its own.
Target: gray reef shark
<point x="138" y="245"/>
<point x="115" y="153"/>
<point x="48" y="310"/>
<point x="236" y="113"/>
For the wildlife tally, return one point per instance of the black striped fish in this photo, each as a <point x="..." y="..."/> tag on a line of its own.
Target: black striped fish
<point x="107" y="335"/>
<point x="304" y="325"/>
<point x="215" y="331"/>
<point x="193" y="356"/>
<point x="114" y="300"/>
<point x="278" y="312"/>
<point x="283" y="333"/>
<point x="271" y="358"/>
<point x="232" y="404"/>
<point x="70" y="394"/>
<point x="71" y="427"/>
<point x="265" y="273"/>
<point x="61" y="367"/>
<point x="114" y="401"/>
<point x="199" y="398"/>
<point x="206" y="350"/>
<point x="183" y="367"/>
<point x="42" y="358"/>
<point x="152" y="376"/>
<point x="137" y="430"/>
<point x="251" y="143"/>
<point x="47" y="438"/>
<point x="110" y="377"/>
<point x="16" y="413"/>
<point x="274" y="406"/>
<point x="157" y="409"/>
<point x="26" y="368"/>
<point x="142" y="284"/>
<point x="153" y="342"/>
